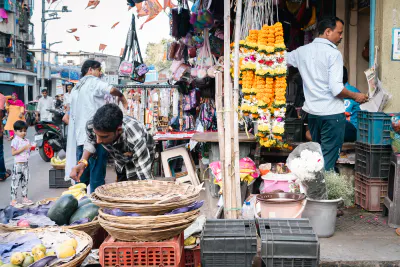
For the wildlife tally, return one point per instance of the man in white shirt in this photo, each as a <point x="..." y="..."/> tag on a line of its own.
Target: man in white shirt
<point x="67" y="95"/>
<point x="46" y="102"/>
<point x="321" y="67"/>
<point x="86" y="98"/>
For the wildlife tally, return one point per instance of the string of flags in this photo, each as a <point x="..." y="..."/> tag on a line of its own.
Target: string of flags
<point x="149" y="8"/>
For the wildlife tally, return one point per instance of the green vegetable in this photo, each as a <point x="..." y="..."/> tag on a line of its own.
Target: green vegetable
<point x="63" y="209"/>
<point x="84" y="202"/>
<point x="89" y="211"/>
<point x="28" y="261"/>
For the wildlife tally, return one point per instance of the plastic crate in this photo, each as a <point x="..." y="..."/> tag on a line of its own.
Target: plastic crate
<point x="56" y="179"/>
<point x="370" y="193"/>
<point x="294" y="130"/>
<point x="373" y="161"/>
<point x="193" y="257"/>
<point x="228" y="243"/>
<point x="166" y="253"/>
<point x="288" y="243"/>
<point x="373" y="128"/>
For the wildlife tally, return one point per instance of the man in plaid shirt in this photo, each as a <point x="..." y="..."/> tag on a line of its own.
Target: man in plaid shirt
<point x="126" y="140"/>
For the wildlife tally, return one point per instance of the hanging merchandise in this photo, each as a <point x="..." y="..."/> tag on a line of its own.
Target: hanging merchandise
<point x="125" y="69"/>
<point x="201" y="18"/>
<point x="179" y="20"/>
<point x="154" y="8"/>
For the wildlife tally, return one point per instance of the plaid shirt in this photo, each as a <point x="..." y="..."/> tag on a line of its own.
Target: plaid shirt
<point x="134" y="139"/>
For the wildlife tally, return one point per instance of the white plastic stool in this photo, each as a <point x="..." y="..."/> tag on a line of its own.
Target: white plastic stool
<point x="177" y="152"/>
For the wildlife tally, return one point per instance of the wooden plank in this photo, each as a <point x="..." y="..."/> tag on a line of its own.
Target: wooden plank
<point x="212" y="137"/>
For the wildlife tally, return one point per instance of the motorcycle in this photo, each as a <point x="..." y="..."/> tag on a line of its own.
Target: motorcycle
<point x="50" y="137"/>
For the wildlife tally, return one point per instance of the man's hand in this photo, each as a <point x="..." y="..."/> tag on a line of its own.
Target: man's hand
<point x="360" y="98"/>
<point x="77" y="171"/>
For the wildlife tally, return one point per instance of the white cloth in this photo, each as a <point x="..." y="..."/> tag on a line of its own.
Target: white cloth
<point x="43" y="105"/>
<point x="67" y="99"/>
<point x="86" y="98"/>
<point x="321" y="67"/>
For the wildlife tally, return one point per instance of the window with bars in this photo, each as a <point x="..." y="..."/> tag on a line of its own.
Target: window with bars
<point x="4" y="42"/>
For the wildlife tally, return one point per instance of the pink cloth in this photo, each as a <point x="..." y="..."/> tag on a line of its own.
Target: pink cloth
<point x="17" y="102"/>
<point x="3" y="14"/>
<point x="2" y="102"/>
<point x="18" y="143"/>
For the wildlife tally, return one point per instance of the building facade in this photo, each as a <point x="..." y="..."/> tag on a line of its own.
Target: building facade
<point x="16" y="62"/>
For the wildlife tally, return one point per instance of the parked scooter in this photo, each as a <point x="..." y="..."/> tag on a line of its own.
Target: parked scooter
<point x="50" y="136"/>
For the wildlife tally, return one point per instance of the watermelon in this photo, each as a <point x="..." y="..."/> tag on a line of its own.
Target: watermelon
<point x="89" y="211"/>
<point x="83" y="202"/>
<point x="62" y="209"/>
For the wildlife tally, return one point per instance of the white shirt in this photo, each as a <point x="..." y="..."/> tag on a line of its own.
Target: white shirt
<point x="321" y="67"/>
<point x="43" y="105"/>
<point x="67" y="99"/>
<point x="86" y="98"/>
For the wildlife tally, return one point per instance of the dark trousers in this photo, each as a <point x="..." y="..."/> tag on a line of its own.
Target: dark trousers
<point x="2" y="165"/>
<point x="95" y="173"/>
<point x="350" y="134"/>
<point x="328" y="131"/>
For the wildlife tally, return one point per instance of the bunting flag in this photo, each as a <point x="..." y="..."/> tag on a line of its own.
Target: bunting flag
<point x="168" y="3"/>
<point x="115" y="25"/>
<point x="52" y="1"/>
<point x="93" y="4"/>
<point x="102" y="47"/>
<point x="122" y="52"/>
<point x="72" y="30"/>
<point x="154" y="8"/>
<point x="92" y="26"/>
<point x="142" y="10"/>
<point x="77" y="38"/>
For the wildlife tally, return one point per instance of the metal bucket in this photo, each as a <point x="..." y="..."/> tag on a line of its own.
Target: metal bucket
<point x="322" y="216"/>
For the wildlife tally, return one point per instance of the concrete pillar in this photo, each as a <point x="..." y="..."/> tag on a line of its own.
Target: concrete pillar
<point x="353" y="43"/>
<point x="388" y="70"/>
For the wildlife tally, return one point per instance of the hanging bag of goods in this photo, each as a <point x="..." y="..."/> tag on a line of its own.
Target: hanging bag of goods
<point x="205" y="59"/>
<point x="201" y="17"/>
<point x="125" y="69"/>
<point x="179" y="20"/>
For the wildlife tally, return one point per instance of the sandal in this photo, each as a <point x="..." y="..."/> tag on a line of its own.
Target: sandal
<point x="27" y="201"/>
<point x="13" y="203"/>
<point x="8" y="174"/>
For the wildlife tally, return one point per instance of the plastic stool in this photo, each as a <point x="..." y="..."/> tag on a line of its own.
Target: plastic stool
<point x="176" y="152"/>
<point x="392" y="200"/>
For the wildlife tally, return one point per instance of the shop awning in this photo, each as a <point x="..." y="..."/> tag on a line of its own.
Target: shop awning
<point x="13" y="84"/>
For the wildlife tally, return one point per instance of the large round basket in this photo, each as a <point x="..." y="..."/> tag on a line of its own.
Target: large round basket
<point x="146" y="192"/>
<point x="90" y="228"/>
<point x="78" y="260"/>
<point x="148" y="235"/>
<point x="144" y="209"/>
<point x="148" y="220"/>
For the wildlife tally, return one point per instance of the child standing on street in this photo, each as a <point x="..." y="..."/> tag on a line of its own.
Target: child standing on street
<point x="20" y="149"/>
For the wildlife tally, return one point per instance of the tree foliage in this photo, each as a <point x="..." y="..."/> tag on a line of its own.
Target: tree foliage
<point x="156" y="55"/>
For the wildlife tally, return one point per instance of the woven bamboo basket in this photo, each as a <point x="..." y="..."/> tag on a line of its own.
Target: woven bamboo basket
<point x="78" y="260"/>
<point x="144" y="209"/>
<point x="137" y="235"/>
<point x="148" y="220"/>
<point x="146" y="192"/>
<point x="149" y="227"/>
<point x="90" y="228"/>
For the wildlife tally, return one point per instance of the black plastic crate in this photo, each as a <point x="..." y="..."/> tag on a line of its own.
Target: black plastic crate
<point x="228" y="243"/>
<point x="373" y="161"/>
<point x="56" y="179"/>
<point x="288" y="243"/>
<point x="294" y="130"/>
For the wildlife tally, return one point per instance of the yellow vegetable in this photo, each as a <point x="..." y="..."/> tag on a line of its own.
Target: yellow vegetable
<point x="65" y="251"/>
<point x="17" y="258"/>
<point x="71" y="242"/>
<point x="78" y="186"/>
<point x="190" y="241"/>
<point x="50" y="253"/>
<point x="39" y="255"/>
<point x="38" y="248"/>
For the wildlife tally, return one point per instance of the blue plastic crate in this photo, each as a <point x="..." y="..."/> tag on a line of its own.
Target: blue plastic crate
<point x="374" y="128"/>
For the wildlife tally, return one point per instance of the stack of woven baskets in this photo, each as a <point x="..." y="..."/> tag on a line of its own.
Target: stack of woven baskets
<point x="158" y="209"/>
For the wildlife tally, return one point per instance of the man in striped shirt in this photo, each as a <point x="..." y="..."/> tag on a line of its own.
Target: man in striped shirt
<point x="126" y="140"/>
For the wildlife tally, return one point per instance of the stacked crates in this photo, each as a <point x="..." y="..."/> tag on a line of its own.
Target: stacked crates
<point x="230" y="243"/>
<point x="288" y="243"/>
<point x="373" y="153"/>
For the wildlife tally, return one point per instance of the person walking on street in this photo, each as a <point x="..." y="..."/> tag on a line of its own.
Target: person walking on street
<point x="67" y="95"/>
<point x="126" y="140"/>
<point x="16" y="110"/>
<point x="320" y="64"/>
<point x="46" y="102"/>
<point x="4" y="174"/>
<point x="86" y="98"/>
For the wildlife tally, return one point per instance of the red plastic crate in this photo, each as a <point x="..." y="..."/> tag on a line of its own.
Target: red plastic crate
<point x="370" y="193"/>
<point x="168" y="253"/>
<point x="193" y="257"/>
